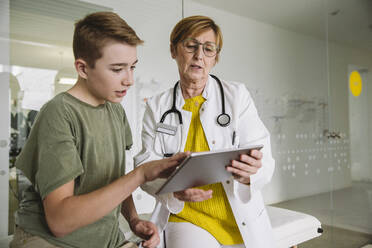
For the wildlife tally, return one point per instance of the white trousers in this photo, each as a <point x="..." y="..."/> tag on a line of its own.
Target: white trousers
<point x="187" y="235"/>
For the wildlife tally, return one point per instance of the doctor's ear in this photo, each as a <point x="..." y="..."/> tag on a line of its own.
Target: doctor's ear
<point x="173" y="50"/>
<point x="81" y="68"/>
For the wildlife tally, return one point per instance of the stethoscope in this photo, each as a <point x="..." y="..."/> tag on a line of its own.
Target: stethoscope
<point x="223" y="119"/>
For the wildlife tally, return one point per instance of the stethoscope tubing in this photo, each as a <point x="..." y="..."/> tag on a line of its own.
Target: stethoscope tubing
<point x="223" y="119"/>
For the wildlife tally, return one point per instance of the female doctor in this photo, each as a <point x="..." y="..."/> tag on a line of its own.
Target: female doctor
<point x="204" y="113"/>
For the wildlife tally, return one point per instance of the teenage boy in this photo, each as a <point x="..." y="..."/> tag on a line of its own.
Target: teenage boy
<point x="75" y="154"/>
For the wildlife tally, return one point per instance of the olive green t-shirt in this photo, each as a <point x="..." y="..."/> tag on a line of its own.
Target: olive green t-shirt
<point x="72" y="140"/>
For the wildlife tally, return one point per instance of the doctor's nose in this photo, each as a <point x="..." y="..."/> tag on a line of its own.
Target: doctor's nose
<point x="198" y="54"/>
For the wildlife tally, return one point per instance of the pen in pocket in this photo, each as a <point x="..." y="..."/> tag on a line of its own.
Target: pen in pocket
<point x="233" y="138"/>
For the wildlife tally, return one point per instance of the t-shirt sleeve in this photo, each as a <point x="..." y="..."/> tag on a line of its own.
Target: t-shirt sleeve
<point x="128" y="133"/>
<point x="50" y="157"/>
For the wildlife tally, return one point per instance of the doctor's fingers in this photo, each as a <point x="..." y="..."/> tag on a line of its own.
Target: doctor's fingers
<point x="256" y="154"/>
<point x="240" y="166"/>
<point x="252" y="161"/>
<point x="241" y="175"/>
<point x="193" y="195"/>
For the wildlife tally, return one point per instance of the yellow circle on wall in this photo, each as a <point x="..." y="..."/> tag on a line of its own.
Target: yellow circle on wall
<point x="355" y="83"/>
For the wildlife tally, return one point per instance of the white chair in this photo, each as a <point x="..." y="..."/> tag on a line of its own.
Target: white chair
<point x="290" y="227"/>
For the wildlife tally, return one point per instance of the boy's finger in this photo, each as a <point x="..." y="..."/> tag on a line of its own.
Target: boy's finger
<point x="152" y="241"/>
<point x="180" y="156"/>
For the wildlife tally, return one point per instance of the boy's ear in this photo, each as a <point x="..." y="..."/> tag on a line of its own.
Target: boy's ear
<point x="81" y="68"/>
<point x="173" y="51"/>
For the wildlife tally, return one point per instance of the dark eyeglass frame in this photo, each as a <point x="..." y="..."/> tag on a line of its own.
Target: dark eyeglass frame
<point x="204" y="46"/>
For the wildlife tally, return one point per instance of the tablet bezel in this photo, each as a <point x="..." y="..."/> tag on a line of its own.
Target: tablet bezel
<point x="184" y="172"/>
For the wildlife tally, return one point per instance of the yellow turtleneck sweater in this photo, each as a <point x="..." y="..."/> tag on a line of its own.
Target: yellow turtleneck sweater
<point x="213" y="215"/>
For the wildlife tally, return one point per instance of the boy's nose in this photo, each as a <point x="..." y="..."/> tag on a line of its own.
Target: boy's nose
<point x="128" y="79"/>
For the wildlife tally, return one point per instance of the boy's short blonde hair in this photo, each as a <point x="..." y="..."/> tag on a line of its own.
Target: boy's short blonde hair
<point x="92" y="32"/>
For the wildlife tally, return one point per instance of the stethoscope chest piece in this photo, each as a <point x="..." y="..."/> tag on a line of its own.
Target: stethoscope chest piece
<point x="223" y="120"/>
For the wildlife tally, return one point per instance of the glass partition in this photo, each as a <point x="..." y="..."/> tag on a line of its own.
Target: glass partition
<point x="349" y="53"/>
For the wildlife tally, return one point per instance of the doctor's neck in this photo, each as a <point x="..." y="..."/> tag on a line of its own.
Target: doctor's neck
<point x="191" y="89"/>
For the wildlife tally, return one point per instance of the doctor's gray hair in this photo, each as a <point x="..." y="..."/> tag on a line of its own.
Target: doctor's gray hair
<point x="192" y="26"/>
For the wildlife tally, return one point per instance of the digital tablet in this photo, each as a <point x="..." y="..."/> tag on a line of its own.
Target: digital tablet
<point x="202" y="168"/>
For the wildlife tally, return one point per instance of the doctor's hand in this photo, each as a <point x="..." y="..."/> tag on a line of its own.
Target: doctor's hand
<point x="193" y="195"/>
<point x="246" y="166"/>
<point x="145" y="230"/>
<point x="161" y="168"/>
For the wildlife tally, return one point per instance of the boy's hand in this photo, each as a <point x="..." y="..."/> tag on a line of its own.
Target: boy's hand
<point x="146" y="230"/>
<point x="163" y="167"/>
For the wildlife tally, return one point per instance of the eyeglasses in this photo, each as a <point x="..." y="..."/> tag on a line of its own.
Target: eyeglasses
<point x="191" y="45"/>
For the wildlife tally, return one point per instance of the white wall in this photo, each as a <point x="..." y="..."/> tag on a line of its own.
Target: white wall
<point x="5" y="118"/>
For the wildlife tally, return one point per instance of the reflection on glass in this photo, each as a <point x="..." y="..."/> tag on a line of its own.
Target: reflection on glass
<point x="30" y="88"/>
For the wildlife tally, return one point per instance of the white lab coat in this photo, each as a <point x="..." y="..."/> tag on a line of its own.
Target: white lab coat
<point x="246" y="201"/>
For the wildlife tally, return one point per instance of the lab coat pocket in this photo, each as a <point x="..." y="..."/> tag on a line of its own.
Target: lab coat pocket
<point x="170" y="143"/>
<point x="221" y="138"/>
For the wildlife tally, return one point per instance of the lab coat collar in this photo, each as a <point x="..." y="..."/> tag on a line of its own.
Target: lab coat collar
<point x="207" y="88"/>
<point x="206" y="92"/>
<point x="180" y="101"/>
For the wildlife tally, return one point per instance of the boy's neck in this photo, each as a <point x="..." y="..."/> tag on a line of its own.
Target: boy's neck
<point x="81" y="92"/>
